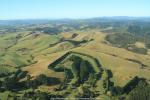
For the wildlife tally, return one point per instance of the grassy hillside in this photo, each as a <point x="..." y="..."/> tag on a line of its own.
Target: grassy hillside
<point x="80" y="59"/>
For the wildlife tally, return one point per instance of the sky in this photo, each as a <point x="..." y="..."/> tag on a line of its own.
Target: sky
<point x="55" y="9"/>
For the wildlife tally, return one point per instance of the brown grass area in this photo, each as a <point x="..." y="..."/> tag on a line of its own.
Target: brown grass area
<point x="140" y="45"/>
<point x="41" y="67"/>
<point x="110" y="57"/>
<point x="115" y="59"/>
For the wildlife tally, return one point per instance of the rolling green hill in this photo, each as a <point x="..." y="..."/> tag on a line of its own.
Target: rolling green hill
<point x="97" y="58"/>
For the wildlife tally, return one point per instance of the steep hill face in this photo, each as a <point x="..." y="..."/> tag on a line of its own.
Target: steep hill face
<point x="77" y="66"/>
<point x="81" y="72"/>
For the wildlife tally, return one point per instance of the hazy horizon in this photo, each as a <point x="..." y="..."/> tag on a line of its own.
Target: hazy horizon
<point x="134" y="17"/>
<point x="73" y="9"/>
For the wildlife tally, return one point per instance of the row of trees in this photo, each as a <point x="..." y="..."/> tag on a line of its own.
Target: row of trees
<point x="136" y="89"/>
<point x="38" y="95"/>
<point x="41" y="80"/>
<point x="13" y="83"/>
<point x="81" y="69"/>
<point x="140" y="92"/>
<point x="33" y="95"/>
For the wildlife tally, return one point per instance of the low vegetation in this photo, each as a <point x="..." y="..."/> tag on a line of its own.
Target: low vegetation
<point x="98" y="58"/>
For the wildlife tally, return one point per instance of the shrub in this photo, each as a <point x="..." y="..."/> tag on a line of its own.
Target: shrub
<point x="141" y="92"/>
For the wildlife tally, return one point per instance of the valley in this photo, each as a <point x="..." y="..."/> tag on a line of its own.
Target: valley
<point x="92" y="58"/>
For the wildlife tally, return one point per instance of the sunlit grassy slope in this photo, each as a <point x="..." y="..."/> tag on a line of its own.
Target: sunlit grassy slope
<point x="36" y="51"/>
<point x="116" y="59"/>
